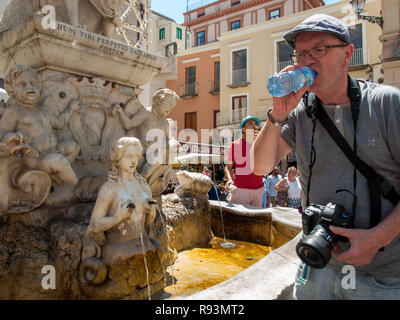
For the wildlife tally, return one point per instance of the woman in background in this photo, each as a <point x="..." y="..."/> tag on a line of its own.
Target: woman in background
<point x="291" y="184"/>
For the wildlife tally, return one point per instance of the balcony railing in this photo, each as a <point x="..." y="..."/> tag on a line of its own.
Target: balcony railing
<point x="239" y="78"/>
<point x="199" y="4"/>
<point x="236" y="115"/>
<point x="213" y="87"/>
<point x="188" y="90"/>
<point x="358" y="58"/>
<point x="283" y="64"/>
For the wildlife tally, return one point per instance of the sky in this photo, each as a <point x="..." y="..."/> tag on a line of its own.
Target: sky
<point x="175" y="8"/>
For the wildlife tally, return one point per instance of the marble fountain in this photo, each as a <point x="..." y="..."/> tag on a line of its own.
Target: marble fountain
<point x="82" y="214"/>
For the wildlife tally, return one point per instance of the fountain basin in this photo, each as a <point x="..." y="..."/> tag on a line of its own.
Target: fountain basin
<point x="272" y="229"/>
<point x="200" y="268"/>
<point x="273" y="276"/>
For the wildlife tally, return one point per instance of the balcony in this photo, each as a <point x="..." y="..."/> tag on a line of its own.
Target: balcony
<point x="213" y="87"/>
<point x="190" y="90"/>
<point x="358" y="58"/>
<point x="200" y="4"/>
<point x="239" y="78"/>
<point x="283" y="64"/>
<point x="236" y="115"/>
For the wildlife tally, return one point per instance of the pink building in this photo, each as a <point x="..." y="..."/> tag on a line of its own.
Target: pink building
<point x="199" y="80"/>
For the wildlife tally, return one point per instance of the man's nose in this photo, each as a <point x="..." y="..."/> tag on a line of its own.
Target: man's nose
<point x="307" y="60"/>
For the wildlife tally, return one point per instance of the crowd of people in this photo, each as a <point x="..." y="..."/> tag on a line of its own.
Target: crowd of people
<point x="255" y="190"/>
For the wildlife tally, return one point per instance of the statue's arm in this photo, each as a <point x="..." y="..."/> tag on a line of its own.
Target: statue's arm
<point x="8" y="122"/>
<point x="99" y="220"/>
<point x="134" y="121"/>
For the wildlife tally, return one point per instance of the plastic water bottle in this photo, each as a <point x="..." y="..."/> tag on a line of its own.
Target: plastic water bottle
<point x="281" y="84"/>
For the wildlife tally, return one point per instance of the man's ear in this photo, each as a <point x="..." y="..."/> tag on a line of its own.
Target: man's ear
<point x="349" y="50"/>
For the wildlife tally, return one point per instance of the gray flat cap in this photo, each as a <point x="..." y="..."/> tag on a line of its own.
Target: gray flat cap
<point x="319" y="23"/>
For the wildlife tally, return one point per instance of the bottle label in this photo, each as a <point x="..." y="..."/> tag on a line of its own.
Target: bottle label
<point x="308" y="78"/>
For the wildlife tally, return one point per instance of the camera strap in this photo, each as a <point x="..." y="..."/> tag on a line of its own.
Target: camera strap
<point x="377" y="185"/>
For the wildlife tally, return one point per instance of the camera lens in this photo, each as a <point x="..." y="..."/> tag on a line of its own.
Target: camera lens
<point x="315" y="249"/>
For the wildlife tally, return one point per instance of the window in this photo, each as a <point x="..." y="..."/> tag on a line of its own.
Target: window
<point x="216" y="112"/>
<point x="239" y="67"/>
<point x="161" y="34"/>
<point x="356" y="39"/>
<point x="201" y="38"/>
<point x="1" y="83"/>
<point x="235" y="25"/>
<point x="178" y="33"/>
<point x="191" y="120"/>
<point x="284" y="53"/>
<point x="239" y="102"/>
<point x="273" y="14"/>
<point x="190" y="81"/>
<point x="216" y="76"/>
<point x="235" y="3"/>
<point x="239" y="108"/>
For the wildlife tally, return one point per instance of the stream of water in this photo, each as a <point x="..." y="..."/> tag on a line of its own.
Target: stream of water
<point x="225" y="244"/>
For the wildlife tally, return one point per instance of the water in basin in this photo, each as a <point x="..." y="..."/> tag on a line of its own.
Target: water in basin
<point x="200" y="268"/>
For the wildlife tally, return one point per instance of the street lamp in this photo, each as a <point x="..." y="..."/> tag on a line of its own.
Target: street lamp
<point x="358" y="7"/>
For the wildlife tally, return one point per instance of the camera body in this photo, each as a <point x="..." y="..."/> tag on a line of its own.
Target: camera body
<point x="331" y="214"/>
<point x="318" y="241"/>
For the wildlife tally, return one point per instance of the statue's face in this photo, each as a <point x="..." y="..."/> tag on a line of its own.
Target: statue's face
<point x="129" y="160"/>
<point x="27" y="88"/>
<point x="164" y="108"/>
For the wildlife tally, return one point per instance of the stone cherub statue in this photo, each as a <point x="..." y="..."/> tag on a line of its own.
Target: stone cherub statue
<point x="122" y="215"/>
<point x="140" y="121"/>
<point x="25" y="122"/>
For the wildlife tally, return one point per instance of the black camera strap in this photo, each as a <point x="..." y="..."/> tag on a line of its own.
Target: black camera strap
<point x="377" y="185"/>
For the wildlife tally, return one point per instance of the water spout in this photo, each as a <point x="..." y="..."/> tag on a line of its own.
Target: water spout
<point x="225" y="244"/>
<point x="144" y="256"/>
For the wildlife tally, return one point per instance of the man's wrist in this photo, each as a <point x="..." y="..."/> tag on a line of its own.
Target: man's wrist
<point x="276" y="119"/>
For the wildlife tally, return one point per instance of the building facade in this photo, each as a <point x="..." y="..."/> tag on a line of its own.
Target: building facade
<point x="203" y="75"/>
<point x="167" y="38"/>
<point x="262" y="51"/>
<point x="390" y="39"/>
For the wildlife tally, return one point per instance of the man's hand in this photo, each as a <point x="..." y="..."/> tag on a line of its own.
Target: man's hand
<point x="363" y="246"/>
<point x="282" y="106"/>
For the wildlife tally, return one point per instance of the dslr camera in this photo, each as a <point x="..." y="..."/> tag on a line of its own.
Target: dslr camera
<point x="318" y="241"/>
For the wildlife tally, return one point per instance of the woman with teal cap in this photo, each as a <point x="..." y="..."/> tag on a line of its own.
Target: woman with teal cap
<point x="249" y="187"/>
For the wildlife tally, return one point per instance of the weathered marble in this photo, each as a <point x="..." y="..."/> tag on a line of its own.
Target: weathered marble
<point x="73" y="114"/>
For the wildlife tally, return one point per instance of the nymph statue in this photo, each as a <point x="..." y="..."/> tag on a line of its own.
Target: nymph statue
<point x="122" y="215"/>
